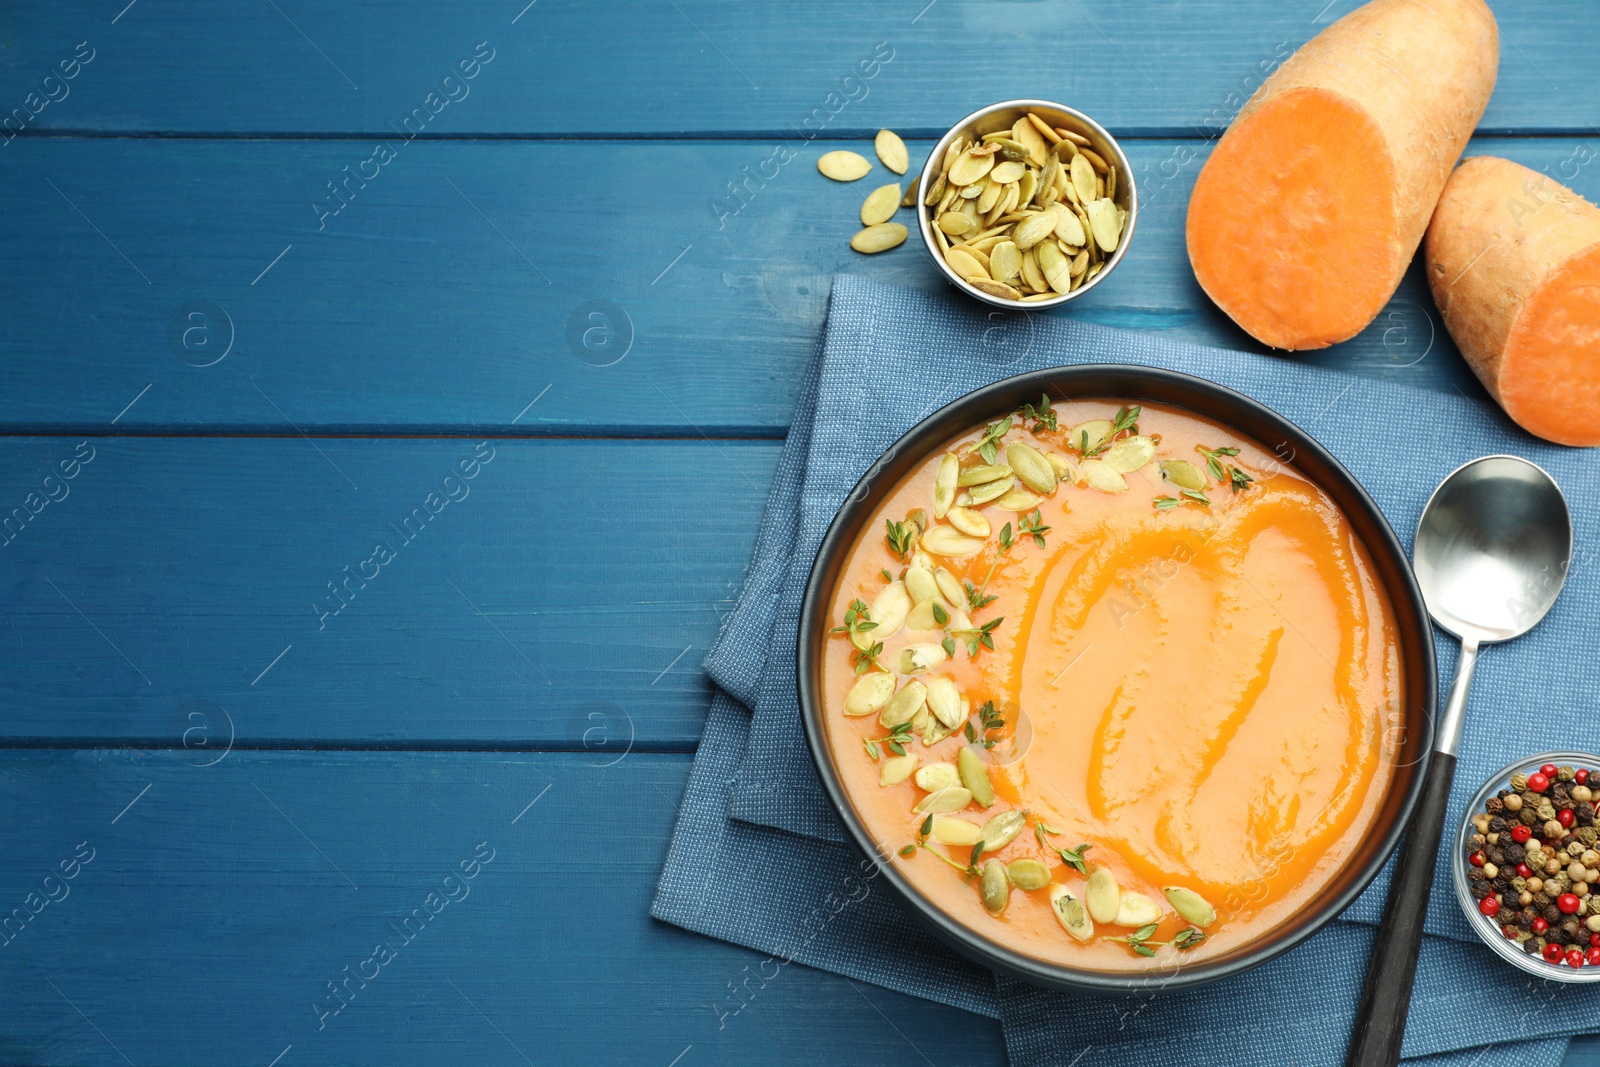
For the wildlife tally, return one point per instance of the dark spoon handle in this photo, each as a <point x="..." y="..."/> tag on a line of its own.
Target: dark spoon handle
<point x="1381" y="1017"/>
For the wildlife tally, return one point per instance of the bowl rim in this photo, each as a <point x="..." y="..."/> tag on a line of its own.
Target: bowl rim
<point x="1134" y="382"/>
<point x="1125" y="178"/>
<point x="1488" y="932"/>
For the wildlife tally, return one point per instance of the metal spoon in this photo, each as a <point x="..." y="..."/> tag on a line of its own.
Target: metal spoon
<point x="1491" y="555"/>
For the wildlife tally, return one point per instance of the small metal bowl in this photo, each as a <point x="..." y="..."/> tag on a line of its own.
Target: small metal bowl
<point x="1486" y="928"/>
<point x="1003" y="116"/>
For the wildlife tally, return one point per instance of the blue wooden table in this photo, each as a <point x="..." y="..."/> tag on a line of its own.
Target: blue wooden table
<point x="389" y="395"/>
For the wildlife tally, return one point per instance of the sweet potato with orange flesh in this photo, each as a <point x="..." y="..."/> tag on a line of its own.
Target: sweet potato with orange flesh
<point x="1514" y="264"/>
<point x="1312" y="204"/>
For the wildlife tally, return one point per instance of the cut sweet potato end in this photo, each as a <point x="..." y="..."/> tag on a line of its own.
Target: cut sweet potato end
<point x="1292" y="226"/>
<point x="1548" y="380"/>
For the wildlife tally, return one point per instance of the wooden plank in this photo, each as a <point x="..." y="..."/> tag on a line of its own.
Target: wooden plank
<point x="219" y="903"/>
<point x="181" y="591"/>
<point x="699" y="66"/>
<point x="443" y="300"/>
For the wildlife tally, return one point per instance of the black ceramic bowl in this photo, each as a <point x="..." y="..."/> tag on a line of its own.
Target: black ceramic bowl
<point x="1300" y="451"/>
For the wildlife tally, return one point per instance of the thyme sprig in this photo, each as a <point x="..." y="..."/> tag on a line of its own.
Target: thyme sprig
<point x="976" y="637"/>
<point x="1236" y="477"/>
<point x="1034" y="525"/>
<point x="1043" y="418"/>
<point x="1072" y="857"/>
<point x="902" y="535"/>
<point x="988" y="446"/>
<point x="1127" y="420"/>
<point x="1166" y="503"/>
<point x="992" y="721"/>
<point x="858" y="620"/>
<point x="1141" y="944"/>
<point x="899" y="734"/>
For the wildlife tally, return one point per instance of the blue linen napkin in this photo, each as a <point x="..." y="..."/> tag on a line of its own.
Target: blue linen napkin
<point x="889" y="357"/>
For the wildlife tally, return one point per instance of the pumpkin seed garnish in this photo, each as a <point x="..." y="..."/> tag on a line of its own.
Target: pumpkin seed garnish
<point x="896" y="769"/>
<point x="1003" y="829"/>
<point x="870" y="693"/>
<point x="1136" y="909"/>
<point x="1183" y="474"/>
<point x="1070" y="913"/>
<point x="1191" y="906"/>
<point x="1027" y="874"/>
<point x="950" y="798"/>
<point x="892" y="151"/>
<point x="949" y="830"/>
<point x="975" y="777"/>
<point x="1031" y="466"/>
<point x="1102" y="895"/>
<point x="994" y="887"/>
<point x="843" y="166"/>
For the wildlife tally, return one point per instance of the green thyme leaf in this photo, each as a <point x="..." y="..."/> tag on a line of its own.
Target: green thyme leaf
<point x="1166" y="503"/>
<point x="1043" y="417"/>
<point x="901" y="535"/>
<point x="1073" y="857"/>
<point x="940" y="615"/>
<point x="976" y="599"/>
<point x="909" y="850"/>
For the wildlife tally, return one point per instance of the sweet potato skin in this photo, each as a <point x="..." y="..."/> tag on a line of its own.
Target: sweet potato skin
<point x="1422" y="71"/>
<point x="1502" y="239"/>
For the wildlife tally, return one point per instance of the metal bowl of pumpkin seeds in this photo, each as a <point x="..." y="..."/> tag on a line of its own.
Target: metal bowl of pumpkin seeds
<point x="1027" y="203"/>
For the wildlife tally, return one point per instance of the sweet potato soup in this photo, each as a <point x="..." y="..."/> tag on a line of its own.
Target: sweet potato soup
<point x="1110" y="683"/>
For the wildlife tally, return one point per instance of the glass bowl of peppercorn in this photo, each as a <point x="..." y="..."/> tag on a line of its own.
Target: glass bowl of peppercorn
<point x="1527" y="870"/>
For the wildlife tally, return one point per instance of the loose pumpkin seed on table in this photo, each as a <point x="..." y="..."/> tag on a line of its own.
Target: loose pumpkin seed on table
<point x="1036" y="201"/>
<point x="843" y="166"/>
<point x="892" y="151"/>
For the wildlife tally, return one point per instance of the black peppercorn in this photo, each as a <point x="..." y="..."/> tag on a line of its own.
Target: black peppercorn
<point x="1497" y="855"/>
<point x="1584" y="810"/>
<point x="1498" y="825"/>
<point x="1561" y="790"/>
<point x="1531" y="946"/>
<point x="1514" y="853"/>
<point x="1541" y="900"/>
<point x="1494" y="805"/>
<point x="1552" y="915"/>
<point x="1479" y="890"/>
<point x="1524" y="920"/>
<point x="1557" y="935"/>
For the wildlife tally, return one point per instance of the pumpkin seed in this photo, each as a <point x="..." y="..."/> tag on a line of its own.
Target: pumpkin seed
<point x="1003" y="829"/>
<point x="896" y="769"/>
<point x="1069" y="228"/>
<point x="1102" y="895"/>
<point x="935" y="191"/>
<point x="1065" y="472"/>
<point x="1105" y="222"/>
<point x="1027" y="135"/>
<point x="1183" y="474"/>
<point x="924" y="618"/>
<point x="956" y="223"/>
<point x="1099" y="476"/>
<point x="975" y="776"/>
<point x="1005" y="262"/>
<point x="892" y="150"/>
<point x="983" y="472"/>
<point x="880" y="205"/>
<point x="914" y="659"/>
<point x="949" y="586"/>
<point x="969" y="522"/>
<point x="994" y="288"/>
<point x="1095" y="159"/>
<point x="936" y="776"/>
<point x="1031" y="273"/>
<point x="992" y="192"/>
<point x="903" y="705"/>
<point x="944" y="700"/>
<point x="1136" y="909"/>
<point x="1055" y="267"/>
<point x="1130" y="454"/>
<point x="1005" y="173"/>
<point x="1070" y="913"/>
<point x="889" y="611"/>
<point x="944" y="484"/>
<point x="1190" y="905"/>
<point x="879" y="238"/>
<point x="948" y="542"/>
<point x="870" y="693"/>
<point x="1033" y="229"/>
<point x="1080" y="263"/>
<point x="843" y="166"/>
<point x="968" y="168"/>
<point x="1073" y="136"/>
<point x="919" y="582"/>
<point x="910" y="199"/>
<point x="1028" y="187"/>
<point x="965" y="264"/>
<point x="1031" y="466"/>
<point x="1027" y="874"/>
<point x="949" y="830"/>
<point x="950" y="798"/>
<point x="982" y="494"/>
<point x="1083" y="178"/>
<point x="1088" y="436"/>
<point x="930" y="729"/>
<point x="1019" y="500"/>
<point x="994" y="888"/>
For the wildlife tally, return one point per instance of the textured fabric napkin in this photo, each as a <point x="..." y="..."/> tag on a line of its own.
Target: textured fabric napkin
<point x="754" y="815"/>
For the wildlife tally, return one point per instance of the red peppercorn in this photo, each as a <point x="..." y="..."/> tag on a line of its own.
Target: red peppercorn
<point x="1524" y="871"/>
<point x="1521" y="833"/>
<point x="1592" y="957"/>
<point x="1491" y="907"/>
<point x="1567" y="902"/>
<point x="1540" y="925"/>
<point x="1552" y="952"/>
<point x="1549" y="770"/>
<point x="1582" y="777"/>
<point x="1477" y="859"/>
<point x="1538" y="782"/>
<point x="1594" y="940"/>
<point x="1566" y="818"/>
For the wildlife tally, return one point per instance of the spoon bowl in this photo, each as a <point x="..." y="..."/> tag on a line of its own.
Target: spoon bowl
<point x="1492" y="548"/>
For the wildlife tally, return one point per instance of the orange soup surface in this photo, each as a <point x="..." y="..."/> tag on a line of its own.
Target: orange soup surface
<point x="1191" y="656"/>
